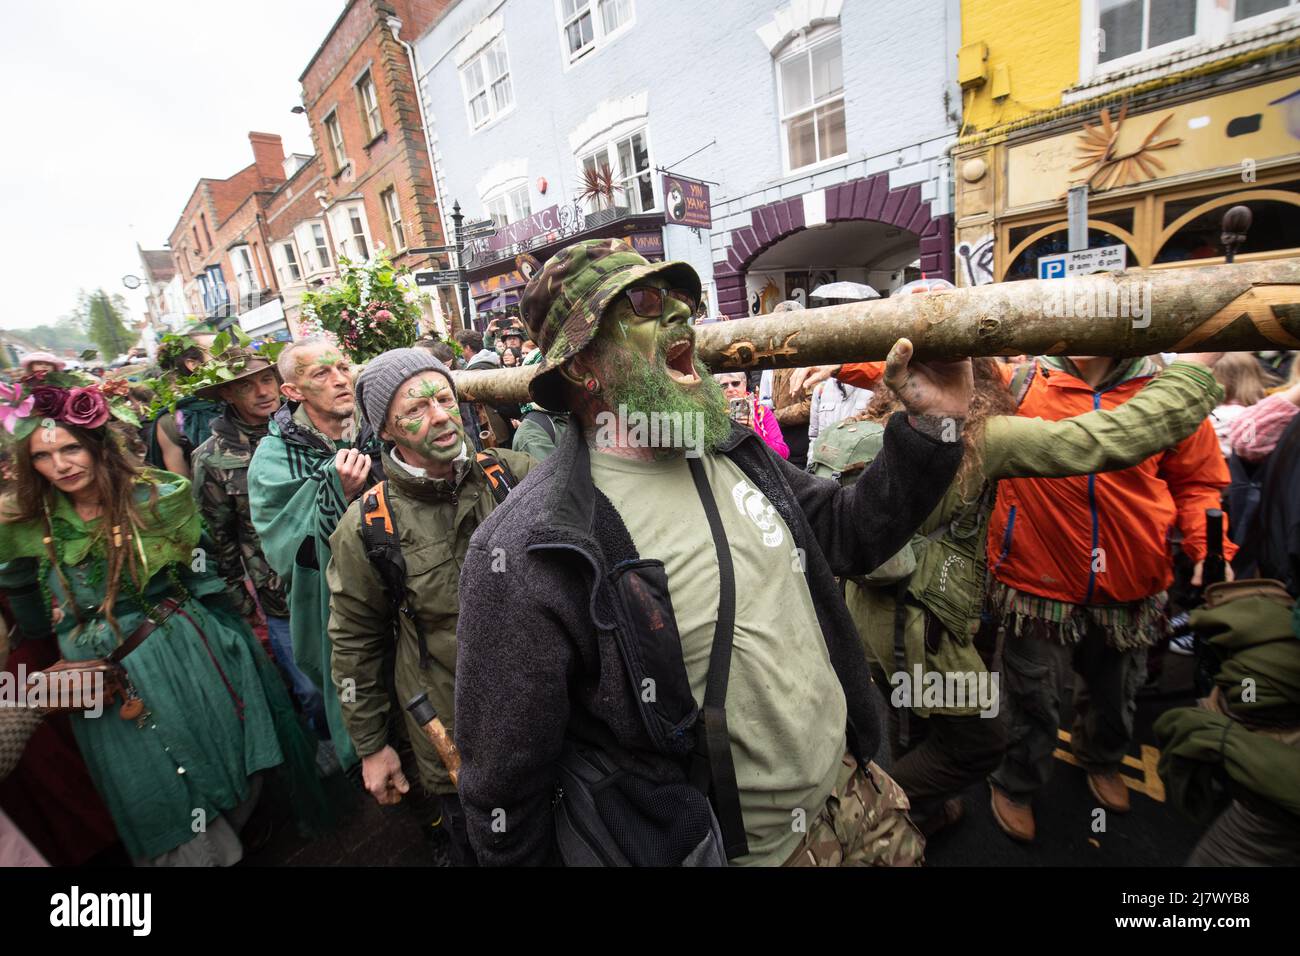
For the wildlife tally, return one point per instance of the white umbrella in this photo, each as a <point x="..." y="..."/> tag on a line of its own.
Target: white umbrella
<point x="845" y="290"/>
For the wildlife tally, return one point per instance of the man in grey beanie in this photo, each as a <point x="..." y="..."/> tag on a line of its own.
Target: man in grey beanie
<point x="419" y="521"/>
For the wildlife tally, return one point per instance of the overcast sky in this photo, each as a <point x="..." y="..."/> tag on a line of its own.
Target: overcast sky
<point x="113" y="111"/>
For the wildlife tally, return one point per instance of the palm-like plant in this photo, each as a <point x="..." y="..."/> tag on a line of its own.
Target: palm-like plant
<point x="598" y="185"/>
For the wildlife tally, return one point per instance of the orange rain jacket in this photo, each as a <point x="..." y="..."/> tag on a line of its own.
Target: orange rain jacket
<point x="1103" y="538"/>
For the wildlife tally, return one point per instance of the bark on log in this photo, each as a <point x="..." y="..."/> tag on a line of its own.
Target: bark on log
<point x="1237" y="308"/>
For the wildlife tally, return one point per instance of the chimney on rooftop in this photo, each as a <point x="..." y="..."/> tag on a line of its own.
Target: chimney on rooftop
<point x="268" y="156"/>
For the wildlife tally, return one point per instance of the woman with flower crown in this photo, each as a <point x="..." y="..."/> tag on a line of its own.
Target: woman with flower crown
<point x="109" y="556"/>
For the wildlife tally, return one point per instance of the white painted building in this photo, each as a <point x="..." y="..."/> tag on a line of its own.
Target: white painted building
<point x="821" y="128"/>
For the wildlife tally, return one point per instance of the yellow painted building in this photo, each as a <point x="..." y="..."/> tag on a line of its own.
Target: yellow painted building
<point x="1027" y="51"/>
<point x="1171" y="111"/>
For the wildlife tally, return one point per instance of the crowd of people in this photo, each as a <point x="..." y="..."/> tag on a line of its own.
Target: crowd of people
<point x="795" y="640"/>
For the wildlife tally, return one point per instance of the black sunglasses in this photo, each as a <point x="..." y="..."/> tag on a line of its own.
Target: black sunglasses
<point x="649" y="302"/>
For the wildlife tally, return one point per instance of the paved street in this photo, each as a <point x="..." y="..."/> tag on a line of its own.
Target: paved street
<point x="1151" y="834"/>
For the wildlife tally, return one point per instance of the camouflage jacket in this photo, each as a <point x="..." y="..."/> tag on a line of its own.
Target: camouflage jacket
<point x="221" y="487"/>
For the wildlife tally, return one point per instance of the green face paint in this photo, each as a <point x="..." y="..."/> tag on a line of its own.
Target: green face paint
<point x="416" y="428"/>
<point x="642" y="385"/>
<point x="642" y="332"/>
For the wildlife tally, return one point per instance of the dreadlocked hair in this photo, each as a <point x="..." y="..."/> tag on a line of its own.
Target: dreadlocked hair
<point x="114" y="476"/>
<point x="991" y="397"/>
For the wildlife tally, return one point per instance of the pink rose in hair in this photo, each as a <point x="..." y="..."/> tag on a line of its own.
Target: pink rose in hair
<point x="86" y="408"/>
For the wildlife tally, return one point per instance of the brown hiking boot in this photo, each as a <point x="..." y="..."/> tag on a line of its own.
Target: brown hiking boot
<point x="1015" y="819"/>
<point x="950" y="814"/>
<point x="1110" y="790"/>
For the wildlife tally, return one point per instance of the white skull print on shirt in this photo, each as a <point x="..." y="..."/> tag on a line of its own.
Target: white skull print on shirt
<point x="751" y="503"/>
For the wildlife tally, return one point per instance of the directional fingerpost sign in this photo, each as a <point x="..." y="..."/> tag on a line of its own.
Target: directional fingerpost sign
<point x="478" y="230"/>
<point x="437" y="277"/>
<point x="431" y="250"/>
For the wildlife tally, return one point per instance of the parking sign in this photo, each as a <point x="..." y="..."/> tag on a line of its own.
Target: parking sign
<point x="1084" y="262"/>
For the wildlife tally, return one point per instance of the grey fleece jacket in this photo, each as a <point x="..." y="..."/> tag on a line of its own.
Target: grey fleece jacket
<point x="543" y="643"/>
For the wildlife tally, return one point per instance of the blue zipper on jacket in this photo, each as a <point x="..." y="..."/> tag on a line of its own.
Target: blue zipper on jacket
<point x="1006" y="539"/>
<point x="1092" y="507"/>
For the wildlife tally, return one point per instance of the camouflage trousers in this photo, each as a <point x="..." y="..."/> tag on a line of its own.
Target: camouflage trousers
<point x="864" y="823"/>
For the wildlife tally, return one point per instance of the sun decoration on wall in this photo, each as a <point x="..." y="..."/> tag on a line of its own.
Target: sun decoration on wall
<point x="1112" y="168"/>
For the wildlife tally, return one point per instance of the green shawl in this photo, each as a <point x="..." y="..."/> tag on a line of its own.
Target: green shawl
<point x="169" y="531"/>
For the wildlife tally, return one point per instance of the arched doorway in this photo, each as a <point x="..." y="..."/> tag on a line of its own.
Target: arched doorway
<point x="861" y="227"/>
<point x="877" y="254"/>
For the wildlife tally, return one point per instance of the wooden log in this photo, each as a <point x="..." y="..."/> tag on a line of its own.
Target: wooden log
<point x="1240" y="307"/>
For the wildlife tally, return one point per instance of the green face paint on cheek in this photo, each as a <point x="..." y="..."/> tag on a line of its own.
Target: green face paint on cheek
<point x="418" y="432"/>
<point x="441" y="453"/>
<point x="639" y="333"/>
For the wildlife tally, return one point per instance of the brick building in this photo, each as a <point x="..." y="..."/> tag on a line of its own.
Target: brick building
<point x="219" y="244"/>
<point x="302" y="255"/>
<point x="372" y="182"/>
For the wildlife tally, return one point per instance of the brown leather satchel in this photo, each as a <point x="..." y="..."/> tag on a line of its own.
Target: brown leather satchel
<point x="73" y="686"/>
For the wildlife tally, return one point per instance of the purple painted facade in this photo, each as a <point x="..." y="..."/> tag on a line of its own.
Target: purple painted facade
<point x="868" y="198"/>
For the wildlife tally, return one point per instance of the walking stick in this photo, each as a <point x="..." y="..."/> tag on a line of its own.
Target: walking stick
<point x="422" y="710"/>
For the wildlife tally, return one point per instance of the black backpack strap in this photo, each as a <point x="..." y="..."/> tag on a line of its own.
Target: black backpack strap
<point x="384" y="549"/>
<point x="900" y="657"/>
<point x="498" y="474"/>
<point x="712" y="769"/>
<point x="543" y="420"/>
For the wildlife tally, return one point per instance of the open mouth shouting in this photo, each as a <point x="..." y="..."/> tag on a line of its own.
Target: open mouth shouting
<point x="680" y="360"/>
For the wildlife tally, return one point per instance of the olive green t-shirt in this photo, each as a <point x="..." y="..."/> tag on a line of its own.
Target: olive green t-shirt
<point x="785" y="708"/>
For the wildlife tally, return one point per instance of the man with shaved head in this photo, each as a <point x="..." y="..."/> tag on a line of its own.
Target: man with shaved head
<point x="314" y="461"/>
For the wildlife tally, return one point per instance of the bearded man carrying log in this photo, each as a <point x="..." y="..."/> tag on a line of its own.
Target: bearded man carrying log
<point x="676" y="632"/>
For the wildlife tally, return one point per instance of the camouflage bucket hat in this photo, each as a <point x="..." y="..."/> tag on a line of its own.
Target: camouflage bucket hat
<point x="563" y="303"/>
<point x="240" y="362"/>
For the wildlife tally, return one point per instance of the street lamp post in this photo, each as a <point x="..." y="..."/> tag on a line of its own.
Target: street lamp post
<point x="150" y="337"/>
<point x="457" y="217"/>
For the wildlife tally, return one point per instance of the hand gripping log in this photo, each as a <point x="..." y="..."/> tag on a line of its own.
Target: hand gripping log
<point x="1233" y="308"/>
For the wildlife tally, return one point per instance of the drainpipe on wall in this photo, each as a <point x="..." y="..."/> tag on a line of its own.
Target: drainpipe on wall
<point x="395" y="28"/>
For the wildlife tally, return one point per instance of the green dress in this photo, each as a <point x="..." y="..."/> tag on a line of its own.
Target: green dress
<point x="215" y="710"/>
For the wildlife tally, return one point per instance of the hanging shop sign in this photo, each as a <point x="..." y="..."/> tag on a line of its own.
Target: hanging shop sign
<point x="686" y="202"/>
